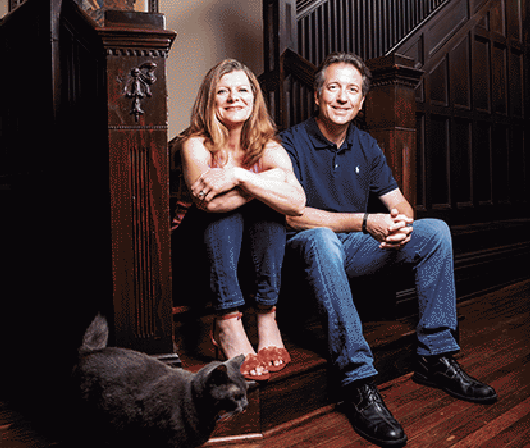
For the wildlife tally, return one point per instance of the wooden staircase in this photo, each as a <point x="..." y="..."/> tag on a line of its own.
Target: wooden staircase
<point x="490" y="237"/>
<point x="304" y="389"/>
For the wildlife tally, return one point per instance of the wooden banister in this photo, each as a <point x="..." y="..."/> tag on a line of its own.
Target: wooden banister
<point x="300" y="68"/>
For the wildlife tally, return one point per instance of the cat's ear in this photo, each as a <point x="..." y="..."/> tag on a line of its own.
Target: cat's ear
<point x="219" y="375"/>
<point x="237" y="361"/>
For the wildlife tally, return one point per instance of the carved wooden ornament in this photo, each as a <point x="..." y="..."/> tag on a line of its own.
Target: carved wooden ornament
<point x="138" y="86"/>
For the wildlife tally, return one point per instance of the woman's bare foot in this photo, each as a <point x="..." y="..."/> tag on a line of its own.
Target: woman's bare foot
<point x="233" y="340"/>
<point x="270" y="339"/>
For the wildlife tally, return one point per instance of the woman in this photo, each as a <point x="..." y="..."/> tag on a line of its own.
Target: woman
<point x="243" y="185"/>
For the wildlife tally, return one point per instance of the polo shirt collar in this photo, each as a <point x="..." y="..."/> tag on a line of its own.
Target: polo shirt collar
<point x="320" y="142"/>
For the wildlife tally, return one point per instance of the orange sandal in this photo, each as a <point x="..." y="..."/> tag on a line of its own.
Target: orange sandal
<point x="269" y="355"/>
<point x="252" y="361"/>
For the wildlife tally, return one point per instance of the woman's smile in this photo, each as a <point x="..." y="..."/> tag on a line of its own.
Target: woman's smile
<point x="235" y="99"/>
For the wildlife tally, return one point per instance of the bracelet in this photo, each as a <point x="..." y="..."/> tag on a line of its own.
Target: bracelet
<point x="365" y="223"/>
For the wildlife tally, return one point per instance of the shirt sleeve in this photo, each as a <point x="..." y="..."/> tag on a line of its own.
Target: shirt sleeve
<point x="382" y="181"/>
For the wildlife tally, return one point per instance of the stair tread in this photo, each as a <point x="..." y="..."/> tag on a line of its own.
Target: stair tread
<point x="302" y="387"/>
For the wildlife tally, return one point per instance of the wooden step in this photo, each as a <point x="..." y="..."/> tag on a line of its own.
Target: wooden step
<point x="305" y="387"/>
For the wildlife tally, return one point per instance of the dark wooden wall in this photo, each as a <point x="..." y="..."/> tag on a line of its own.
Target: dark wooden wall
<point x="473" y="107"/>
<point x="472" y="101"/>
<point x="56" y="242"/>
<point x="83" y="185"/>
<point x="315" y="28"/>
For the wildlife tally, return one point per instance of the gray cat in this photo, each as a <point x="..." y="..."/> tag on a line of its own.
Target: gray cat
<point x="131" y="399"/>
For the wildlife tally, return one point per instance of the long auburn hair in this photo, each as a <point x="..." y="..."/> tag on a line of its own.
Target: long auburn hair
<point x="257" y="131"/>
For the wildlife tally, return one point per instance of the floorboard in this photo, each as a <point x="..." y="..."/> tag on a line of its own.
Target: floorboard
<point x="495" y="341"/>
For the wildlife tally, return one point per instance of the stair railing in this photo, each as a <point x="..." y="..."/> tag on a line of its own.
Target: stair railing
<point x="310" y="30"/>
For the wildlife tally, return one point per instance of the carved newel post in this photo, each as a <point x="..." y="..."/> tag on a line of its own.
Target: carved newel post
<point x="390" y="112"/>
<point x="136" y="47"/>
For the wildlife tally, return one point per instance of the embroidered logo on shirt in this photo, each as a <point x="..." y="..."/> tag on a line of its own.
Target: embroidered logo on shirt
<point x="356" y="170"/>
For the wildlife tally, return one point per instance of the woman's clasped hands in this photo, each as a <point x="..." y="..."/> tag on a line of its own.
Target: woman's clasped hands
<point x="213" y="182"/>
<point x="216" y="181"/>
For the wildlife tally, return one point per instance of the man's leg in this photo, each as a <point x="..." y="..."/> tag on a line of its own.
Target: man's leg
<point x="437" y="301"/>
<point x="429" y="253"/>
<point x="320" y="254"/>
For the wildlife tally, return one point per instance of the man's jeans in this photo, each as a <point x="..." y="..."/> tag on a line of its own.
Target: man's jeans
<point x="329" y="260"/>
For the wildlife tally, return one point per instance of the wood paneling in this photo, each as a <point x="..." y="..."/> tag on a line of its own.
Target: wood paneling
<point x="483" y="163"/>
<point x="475" y="75"/>
<point x="438" y="161"/>
<point x="84" y="186"/>
<point x="438" y="84"/>
<point x="136" y="49"/>
<point x="515" y="77"/>
<point x="462" y="163"/>
<point x="481" y="75"/>
<point x="499" y="78"/>
<point x="460" y="74"/>
<point x="500" y="159"/>
<point x="472" y="102"/>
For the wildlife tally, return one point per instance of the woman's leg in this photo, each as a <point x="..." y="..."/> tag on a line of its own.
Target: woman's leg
<point x="265" y="231"/>
<point x="222" y="239"/>
<point x="209" y="247"/>
<point x="267" y="237"/>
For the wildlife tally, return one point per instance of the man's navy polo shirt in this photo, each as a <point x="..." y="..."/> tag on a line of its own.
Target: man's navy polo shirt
<point x="337" y="180"/>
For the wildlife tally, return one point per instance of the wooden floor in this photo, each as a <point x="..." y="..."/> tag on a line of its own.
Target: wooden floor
<point x="495" y="341"/>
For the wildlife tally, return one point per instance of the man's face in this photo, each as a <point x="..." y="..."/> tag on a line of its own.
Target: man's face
<point x="341" y="98"/>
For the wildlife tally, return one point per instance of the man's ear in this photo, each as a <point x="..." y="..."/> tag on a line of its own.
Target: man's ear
<point x="362" y="102"/>
<point x="316" y="97"/>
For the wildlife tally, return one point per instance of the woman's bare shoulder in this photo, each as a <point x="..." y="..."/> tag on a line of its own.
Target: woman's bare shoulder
<point x="274" y="151"/>
<point x="195" y="145"/>
<point x="273" y="145"/>
<point x="194" y="141"/>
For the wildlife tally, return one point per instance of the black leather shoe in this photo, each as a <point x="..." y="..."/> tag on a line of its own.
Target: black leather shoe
<point x="369" y="416"/>
<point x="444" y="372"/>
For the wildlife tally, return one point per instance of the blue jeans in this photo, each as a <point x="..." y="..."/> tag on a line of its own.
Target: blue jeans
<point x="331" y="260"/>
<point x="213" y="244"/>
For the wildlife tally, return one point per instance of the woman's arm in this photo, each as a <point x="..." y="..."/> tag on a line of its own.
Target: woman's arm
<point x="338" y="222"/>
<point x="196" y="162"/>
<point x="276" y="186"/>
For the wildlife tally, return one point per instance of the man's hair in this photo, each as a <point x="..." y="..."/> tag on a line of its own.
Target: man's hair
<point x="257" y="131"/>
<point x="342" y="58"/>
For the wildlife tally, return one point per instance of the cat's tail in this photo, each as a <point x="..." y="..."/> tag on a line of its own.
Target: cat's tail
<point x="96" y="336"/>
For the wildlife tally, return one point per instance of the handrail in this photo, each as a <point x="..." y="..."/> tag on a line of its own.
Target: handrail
<point x="418" y="26"/>
<point x="297" y="42"/>
<point x="299" y="67"/>
<point x="367" y="28"/>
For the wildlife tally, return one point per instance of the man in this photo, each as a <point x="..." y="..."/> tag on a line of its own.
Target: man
<point x="335" y="240"/>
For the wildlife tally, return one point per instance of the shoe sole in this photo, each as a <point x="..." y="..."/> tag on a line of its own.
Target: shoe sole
<point x="393" y="443"/>
<point x="420" y="379"/>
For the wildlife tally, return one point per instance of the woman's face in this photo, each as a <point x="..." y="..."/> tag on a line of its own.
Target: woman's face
<point x="234" y="99"/>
